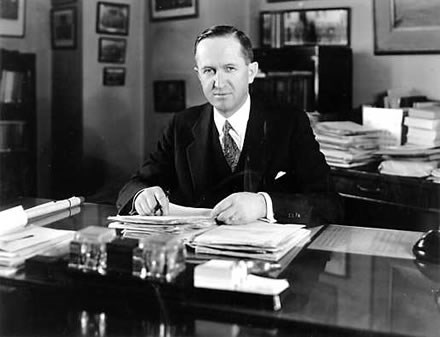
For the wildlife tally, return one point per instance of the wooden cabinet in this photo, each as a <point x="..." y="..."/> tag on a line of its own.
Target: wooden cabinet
<point x="308" y="78"/>
<point x="17" y="125"/>
<point x="376" y="200"/>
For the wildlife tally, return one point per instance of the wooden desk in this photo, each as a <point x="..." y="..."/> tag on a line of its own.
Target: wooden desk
<point x="331" y="294"/>
<point x="377" y="200"/>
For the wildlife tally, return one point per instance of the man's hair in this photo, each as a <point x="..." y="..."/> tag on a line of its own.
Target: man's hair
<point x="224" y="30"/>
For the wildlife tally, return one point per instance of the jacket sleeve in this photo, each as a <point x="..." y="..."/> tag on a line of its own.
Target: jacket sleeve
<point x="306" y="193"/>
<point x="157" y="170"/>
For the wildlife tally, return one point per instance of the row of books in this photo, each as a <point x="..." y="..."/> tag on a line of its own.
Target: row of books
<point x="304" y="27"/>
<point x="11" y="86"/>
<point x="292" y="89"/>
<point x="347" y="144"/>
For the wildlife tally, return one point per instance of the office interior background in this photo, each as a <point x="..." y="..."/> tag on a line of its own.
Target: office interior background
<point x="91" y="137"/>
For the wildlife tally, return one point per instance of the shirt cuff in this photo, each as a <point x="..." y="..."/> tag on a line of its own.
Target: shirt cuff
<point x="269" y="208"/>
<point x="133" y="209"/>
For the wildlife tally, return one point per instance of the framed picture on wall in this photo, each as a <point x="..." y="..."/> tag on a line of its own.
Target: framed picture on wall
<point x="113" y="76"/>
<point x="63" y="28"/>
<point x="112" y="18"/>
<point x="169" y="96"/>
<point x="316" y="26"/>
<point x="112" y="50"/>
<point x="12" y="18"/>
<point x="173" y="9"/>
<point x="406" y="26"/>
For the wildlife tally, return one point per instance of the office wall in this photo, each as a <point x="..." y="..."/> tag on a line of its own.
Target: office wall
<point x="372" y="74"/>
<point x="113" y="115"/>
<point x="171" y="53"/>
<point x="37" y="40"/>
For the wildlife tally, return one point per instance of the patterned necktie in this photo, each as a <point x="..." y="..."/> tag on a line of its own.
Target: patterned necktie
<point x="230" y="148"/>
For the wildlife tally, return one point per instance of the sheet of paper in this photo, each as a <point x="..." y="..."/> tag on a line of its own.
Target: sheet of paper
<point x="368" y="241"/>
<point x="12" y="219"/>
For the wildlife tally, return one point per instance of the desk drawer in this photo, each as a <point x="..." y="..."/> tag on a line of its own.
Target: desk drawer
<point x="390" y="189"/>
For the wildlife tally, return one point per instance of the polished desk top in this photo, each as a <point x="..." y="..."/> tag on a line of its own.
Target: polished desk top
<point x="331" y="294"/>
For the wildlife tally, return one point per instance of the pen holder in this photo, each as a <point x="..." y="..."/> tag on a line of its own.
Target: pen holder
<point x="88" y="249"/>
<point x="159" y="258"/>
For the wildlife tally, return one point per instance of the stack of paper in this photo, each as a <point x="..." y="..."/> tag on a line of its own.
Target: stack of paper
<point x="424" y="126"/>
<point x="409" y="160"/>
<point x="347" y="144"/>
<point x="257" y="240"/>
<point x="138" y="226"/>
<point x="19" y="245"/>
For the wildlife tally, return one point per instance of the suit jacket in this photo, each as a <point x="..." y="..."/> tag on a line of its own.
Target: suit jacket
<point x="186" y="163"/>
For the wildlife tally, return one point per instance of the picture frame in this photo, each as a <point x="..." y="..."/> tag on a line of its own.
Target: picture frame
<point x="113" y="76"/>
<point x="12" y="18"/>
<point x="63" y="27"/>
<point x="173" y="9"/>
<point x="321" y="26"/>
<point x="112" y="18"/>
<point x="169" y="95"/>
<point x="406" y="27"/>
<point x="112" y="50"/>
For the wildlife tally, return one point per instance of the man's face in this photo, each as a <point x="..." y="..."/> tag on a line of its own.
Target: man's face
<point x="223" y="73"/>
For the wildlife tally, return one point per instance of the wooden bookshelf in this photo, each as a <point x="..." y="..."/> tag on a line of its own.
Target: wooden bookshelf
<point x="308" y="78"/>
<point x="17" y="125"/>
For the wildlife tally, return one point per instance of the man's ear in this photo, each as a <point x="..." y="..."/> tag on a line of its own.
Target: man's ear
<point x="252" y="70"/>
<point x="197" y="71"/>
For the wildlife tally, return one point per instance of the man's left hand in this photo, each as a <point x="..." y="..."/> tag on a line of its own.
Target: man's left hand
<point x="240" y="208"/>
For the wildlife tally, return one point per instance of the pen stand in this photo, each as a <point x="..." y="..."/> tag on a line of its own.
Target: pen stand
<point x="88" y="249"/>
<point x="159" y="258"/>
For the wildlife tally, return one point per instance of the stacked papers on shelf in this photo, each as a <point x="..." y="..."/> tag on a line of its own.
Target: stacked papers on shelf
<point x="256" y="240"/>
<point x="409" y="160"/>
<point x="347" y="144"/>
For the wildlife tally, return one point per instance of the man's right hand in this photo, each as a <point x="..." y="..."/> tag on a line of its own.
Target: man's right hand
<point x="152" y="201"/>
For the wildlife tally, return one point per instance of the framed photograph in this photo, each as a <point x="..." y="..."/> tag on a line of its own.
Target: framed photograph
<point x="406" y="27"/>
<point x="113" y="76"/>
<point x="63" y="28"/>
<point x="62" y="2"/>
<point x="169" y="96"/>
<point x="12" y="18"/>
<point x="327" y="27"/>
<point x="112" y="18"/>
<point x="112" y="50"/>
<point x="173" y="9"/>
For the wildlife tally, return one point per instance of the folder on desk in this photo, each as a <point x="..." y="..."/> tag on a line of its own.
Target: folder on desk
<point x="256" y="240"/>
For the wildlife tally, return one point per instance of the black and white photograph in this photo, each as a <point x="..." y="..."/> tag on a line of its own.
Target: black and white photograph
<point x="113" y="76"/>
<point x="173" y="9"/>
<point x="12" y="18"/>
<point x="112" y="18"/>
<point x="237" y="168"/>
<point x="111" y="50"/>
<point x="63" y="28"/>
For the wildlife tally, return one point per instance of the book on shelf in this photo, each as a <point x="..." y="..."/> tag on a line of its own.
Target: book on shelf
<point x="425" y="104"/>
<point x="430" y="112"/>
<point x="422" y="123"/>
<point x="11" y="84"/>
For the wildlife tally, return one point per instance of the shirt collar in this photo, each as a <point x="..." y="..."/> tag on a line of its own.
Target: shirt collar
<point x="238" y="120"/>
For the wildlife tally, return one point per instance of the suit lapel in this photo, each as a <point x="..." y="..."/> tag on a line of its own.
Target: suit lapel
<point x="197" y="151"/>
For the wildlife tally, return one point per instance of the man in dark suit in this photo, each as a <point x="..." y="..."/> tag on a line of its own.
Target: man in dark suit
<point x="232" y="154"/>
